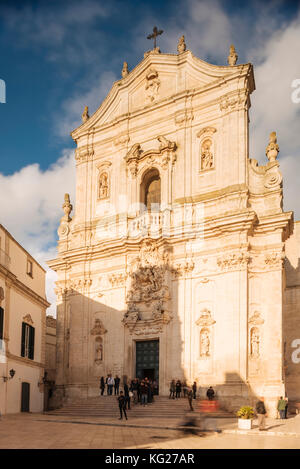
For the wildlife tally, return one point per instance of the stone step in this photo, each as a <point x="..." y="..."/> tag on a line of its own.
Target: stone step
<point x="106" y="406"/>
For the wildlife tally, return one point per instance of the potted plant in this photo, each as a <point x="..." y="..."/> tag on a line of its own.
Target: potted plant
<point x="245" y="415"/>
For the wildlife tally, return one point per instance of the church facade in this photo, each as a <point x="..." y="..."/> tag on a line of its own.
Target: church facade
<point x="174" y="265"/>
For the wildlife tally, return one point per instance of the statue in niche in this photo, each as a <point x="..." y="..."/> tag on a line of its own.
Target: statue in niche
<point x="207" y="159"/>
<point x="254" y="343"/>
<point x="103" y="186"/>
<point x="98" y="350"/>
<point x="204" y="343"/>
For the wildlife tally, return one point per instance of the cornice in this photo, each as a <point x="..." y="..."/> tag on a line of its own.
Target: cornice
<point x="25" y="361"/>
<point x="23" y="288"/>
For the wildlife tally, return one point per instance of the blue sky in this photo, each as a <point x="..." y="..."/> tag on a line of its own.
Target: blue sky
<point x="57" y="56"/>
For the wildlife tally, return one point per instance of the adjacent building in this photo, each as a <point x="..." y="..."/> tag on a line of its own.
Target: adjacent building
<point x="23" y="307"/>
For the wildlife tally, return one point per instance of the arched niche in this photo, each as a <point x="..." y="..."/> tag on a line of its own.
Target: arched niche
<point x="150" y="190"/>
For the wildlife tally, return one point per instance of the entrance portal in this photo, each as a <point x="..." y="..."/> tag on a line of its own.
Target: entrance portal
<point x="147" y="359"/>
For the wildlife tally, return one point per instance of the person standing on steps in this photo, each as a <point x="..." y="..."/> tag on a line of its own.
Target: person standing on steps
<point x="194" y="388"/>
<point x="126" y="395"/>
<point x="178" y="389"/>
<point x="210" y="393"/>
<point x="190" y="394"/>
<point x="172" y="389"/>
<point x="122" y="404"/>
<point x="102" y="385"/>
<point x="117" y="384"/>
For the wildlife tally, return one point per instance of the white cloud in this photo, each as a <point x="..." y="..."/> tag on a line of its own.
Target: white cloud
<point x="31" y="207"/>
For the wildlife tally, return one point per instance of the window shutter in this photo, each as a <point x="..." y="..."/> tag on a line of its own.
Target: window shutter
<point x="1" y="322"/>
<point x="31" y="343"/>
<point x="23" y="339"/>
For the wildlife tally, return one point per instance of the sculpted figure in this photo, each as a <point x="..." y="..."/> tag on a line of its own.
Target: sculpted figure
<point x="232" y="58"/>
<point x="85" y="115"/>
<point x="103" y="186"/>
<point x="207" y="159"/>
<point x="181" y="45"/>
<point x="67" y="208"/>
<point x="254" y="343"/>
<point x="204" y="344"/>
<point x="125" y="70"/>
<point x="272" y="149"/>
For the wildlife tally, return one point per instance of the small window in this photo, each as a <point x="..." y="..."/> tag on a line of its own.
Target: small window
<point x="29" y="268"/>
<point x="27" y="345"/>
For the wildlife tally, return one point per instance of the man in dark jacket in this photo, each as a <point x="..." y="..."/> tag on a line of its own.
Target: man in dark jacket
<point x="210" y="393"/>
<point x="127" y="397"/>
<point x="121" y="401"/>
<point x="261" y="413"/>
<point x="117" y="384"/>
<point x="194" y="388"/>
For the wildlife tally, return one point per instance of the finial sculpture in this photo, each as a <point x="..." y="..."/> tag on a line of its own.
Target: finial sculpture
<point x="67" y="208"/>
<point x="125" y="70"/>
<point x="232" y="58"/>
<point x="272" y="149"/>
<point x="85" y="115"/>
<point x="181" y="47"/>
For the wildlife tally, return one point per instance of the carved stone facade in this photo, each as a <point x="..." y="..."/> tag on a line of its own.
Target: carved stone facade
<point x="204" y="273"/>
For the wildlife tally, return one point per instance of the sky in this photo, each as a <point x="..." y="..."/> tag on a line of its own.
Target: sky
<point x="57" y="57"/>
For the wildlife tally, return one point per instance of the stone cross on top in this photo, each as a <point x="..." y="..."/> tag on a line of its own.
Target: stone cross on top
<point x="154" y="35"/>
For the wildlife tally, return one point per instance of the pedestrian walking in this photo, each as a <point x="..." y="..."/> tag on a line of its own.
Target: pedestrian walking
<point x="102" y="385"/>
<point x="261" y="413"/>
<point x="121" y="401"/>
<point x="190" y="398"/>
<point x="194" y="389"/>
<point x="281" y="405"/>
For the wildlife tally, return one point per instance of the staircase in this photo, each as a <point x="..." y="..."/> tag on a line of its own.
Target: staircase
<point x="107" y="407"/>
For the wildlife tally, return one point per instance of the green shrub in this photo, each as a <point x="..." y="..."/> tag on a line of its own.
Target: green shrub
<point x="245" y="412"/>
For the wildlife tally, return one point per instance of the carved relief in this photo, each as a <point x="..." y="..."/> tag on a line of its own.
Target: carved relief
<point x="98" y="328"/>
<point x="162" y="156"/>
<point x="205" y="318"/>
<point x="234" y="102"/>
<point x="233" y="261"/>
<point x="152" y="85"/>
<point x="183" y="268"/>
<point x="148" y="295"/>
<point x="117" y="280"/>
<point x="84" y="154"/>
<point x="28" y="319"/>
<point x="184" y="117"/>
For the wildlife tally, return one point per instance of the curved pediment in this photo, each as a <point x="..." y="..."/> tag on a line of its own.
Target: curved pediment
<point x="157" y="78"/>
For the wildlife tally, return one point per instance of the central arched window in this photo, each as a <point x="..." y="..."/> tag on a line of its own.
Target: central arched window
<point x="151" y="190"/>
